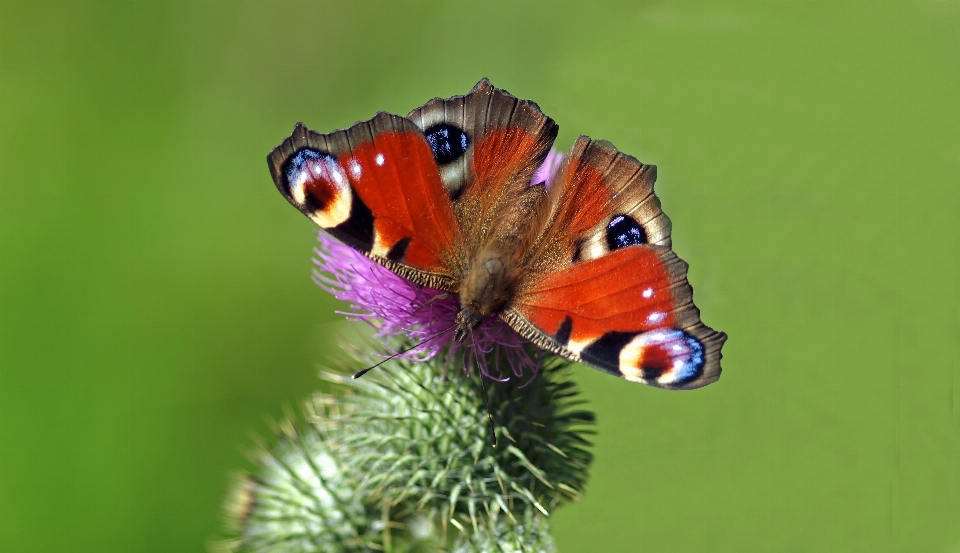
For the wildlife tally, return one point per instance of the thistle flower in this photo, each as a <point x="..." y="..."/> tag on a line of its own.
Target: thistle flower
<point x="399" y="309"/>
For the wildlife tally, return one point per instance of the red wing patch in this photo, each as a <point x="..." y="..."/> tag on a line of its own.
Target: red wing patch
<point x="629" y="312"/>
<point x="625" y="291"/>
<point x="504" y="153"/>
<point x="376" y="187"/>
<point x="585" y="197"/>
<point x="396" y="177"/>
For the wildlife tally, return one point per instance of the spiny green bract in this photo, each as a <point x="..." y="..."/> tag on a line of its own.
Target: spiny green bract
<point x="401" y="460"/>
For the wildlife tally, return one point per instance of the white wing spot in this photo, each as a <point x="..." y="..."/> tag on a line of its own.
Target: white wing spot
<point x="648" y="293"/>
<point x="379" y="159"/>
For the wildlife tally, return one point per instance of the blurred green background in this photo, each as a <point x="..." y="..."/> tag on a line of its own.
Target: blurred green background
<point x="156" y="306"/>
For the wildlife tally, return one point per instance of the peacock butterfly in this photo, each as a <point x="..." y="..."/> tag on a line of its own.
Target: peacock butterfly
<point x="443" y="197"/>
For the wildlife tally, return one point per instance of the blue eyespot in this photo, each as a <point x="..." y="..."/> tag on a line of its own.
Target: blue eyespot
<point x="623" y="231"/>
<point x="447" y="142"/>
<point x="298" y="167"/>
<point x="676" y="356"/>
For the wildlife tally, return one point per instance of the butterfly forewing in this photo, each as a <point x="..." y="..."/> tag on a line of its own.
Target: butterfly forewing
<point x="375" y="187"/>
<point x="629" y="313"/>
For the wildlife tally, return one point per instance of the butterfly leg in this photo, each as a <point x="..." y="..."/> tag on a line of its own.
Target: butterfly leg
<point x="438" y="297"/>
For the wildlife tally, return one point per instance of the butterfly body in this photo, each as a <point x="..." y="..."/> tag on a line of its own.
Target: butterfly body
<point x="580" y="266"/>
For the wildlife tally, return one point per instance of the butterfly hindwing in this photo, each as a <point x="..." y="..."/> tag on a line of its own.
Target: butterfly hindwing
<point x="600" y="200"/>
<point x="376" y="187"/>
<point x="633" y="215"/>
<point x="608" y="291"/>
<point x="488" y="145"/>
<point x="485" y="134"/>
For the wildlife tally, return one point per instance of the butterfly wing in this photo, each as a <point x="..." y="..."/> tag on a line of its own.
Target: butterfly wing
<point x="487" y="136"/>
<point x="421" y="194"/>
<point x="376" y="187"/>
<point x="604" y="288"/>
<point x="488" y="145"/>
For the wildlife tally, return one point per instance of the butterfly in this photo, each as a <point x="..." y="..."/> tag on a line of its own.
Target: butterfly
<point x="443" y="197"/>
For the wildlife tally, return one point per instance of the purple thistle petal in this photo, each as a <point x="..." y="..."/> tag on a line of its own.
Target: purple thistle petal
<point x="400" y="309"/>
<point x="548" y="170"/>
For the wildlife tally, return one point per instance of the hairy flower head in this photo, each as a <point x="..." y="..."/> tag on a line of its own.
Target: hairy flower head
<point x="396" y="461"/>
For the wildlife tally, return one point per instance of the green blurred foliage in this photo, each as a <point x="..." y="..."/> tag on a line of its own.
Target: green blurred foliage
<point x="155" y="301"/>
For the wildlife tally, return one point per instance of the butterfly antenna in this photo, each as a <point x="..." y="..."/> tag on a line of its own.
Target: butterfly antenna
<point x="483" y="387"/>
<point x="404" y="350"/>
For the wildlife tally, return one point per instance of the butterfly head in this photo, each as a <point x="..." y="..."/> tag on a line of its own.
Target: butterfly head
<point x="468" y="319"/>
